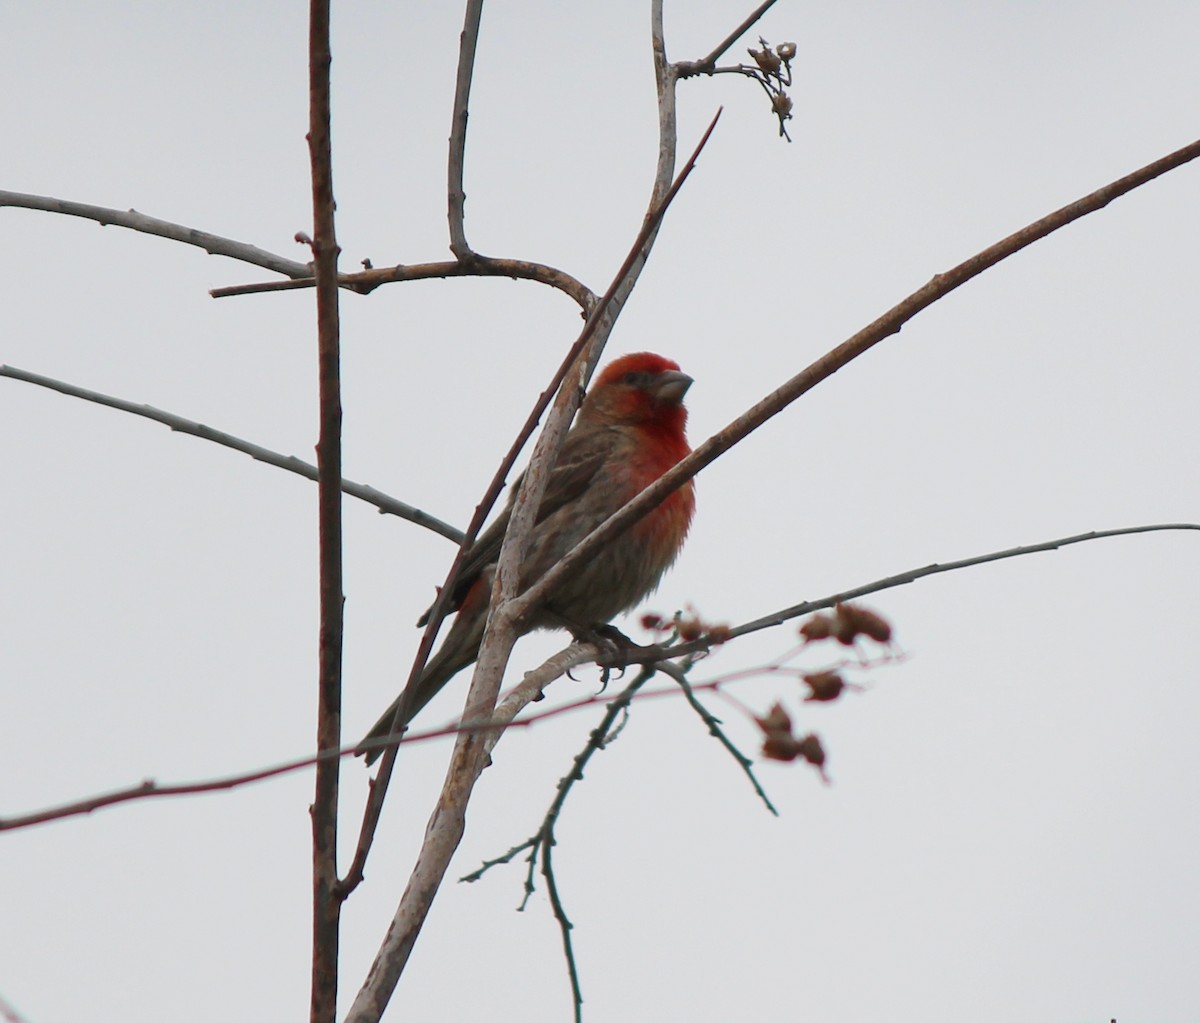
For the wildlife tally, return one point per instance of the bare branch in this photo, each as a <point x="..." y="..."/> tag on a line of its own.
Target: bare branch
<point x="327" y="900"/>
<point x="542" y="841"/>
<point x="386" y="504"/>
<point x="889" y="323"/>
<point x="213" y="244"/>
<point x="367" y="281"/>
<point x="912" y="575"/>
<point x="150" y="789"/>
<point x="706" y="65"/>
<point x="715" y="729"/>
<point x="458" y="129"/>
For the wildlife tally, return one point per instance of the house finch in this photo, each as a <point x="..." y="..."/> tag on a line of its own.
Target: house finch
<point x="629" y="431"/>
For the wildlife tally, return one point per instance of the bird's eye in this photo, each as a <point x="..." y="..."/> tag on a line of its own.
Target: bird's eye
<point x="633" y="378"/>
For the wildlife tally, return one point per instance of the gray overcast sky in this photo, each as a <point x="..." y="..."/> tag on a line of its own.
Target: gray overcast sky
<point x="1011" y="831"/>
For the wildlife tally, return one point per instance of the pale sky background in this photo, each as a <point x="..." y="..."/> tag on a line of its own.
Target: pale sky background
<point x="1011" y="832"/>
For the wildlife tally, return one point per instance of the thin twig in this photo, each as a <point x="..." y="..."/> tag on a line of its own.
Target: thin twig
<point x="150" y="789"/>
<point x="537" y="680"/>
<point x="134" y="221"/>
<point x="654" y="653"/>
<point x="366" y="281"/>
<point x="543" y="839"/>
<point x="715" y="729"/>
<point x="386" y="504"/>
<point x="889" y="323"/>
<point x="458" y="129"/>
<point x="597" y="740"/>
<point x="912" y="575"/>
<point x="327" y="901"/>
<point x="9" y="1013"/>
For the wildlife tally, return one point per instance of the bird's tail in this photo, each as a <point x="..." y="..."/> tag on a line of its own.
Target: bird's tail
<point x="456" y="653"/>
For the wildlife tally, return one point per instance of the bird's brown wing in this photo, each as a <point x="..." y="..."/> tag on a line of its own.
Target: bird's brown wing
<point x="577" y="464"/>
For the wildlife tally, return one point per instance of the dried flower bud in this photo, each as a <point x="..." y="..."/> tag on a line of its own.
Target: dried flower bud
<point x="781" y="103"/>
<point x="853" y="621"/>
<point x="845" y="629"/>
<point x="766" y="60"/>
<point x="777" y="719"/>
<point x="874" y="625"/>
<point x="786" y="50"/>
<point x="825" y="686"/>
<point x="718" y="634"/>
<point x="778" y="743"/>
<point x="819" y="626"/>
<point x="653" y="622"/>
<point x="779" y="746"/>
<point x="690" y="629"/>
<point x="810" y="749"/>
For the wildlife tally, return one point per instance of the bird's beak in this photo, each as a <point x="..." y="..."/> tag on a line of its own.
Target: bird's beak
<point x="671" y="385"/>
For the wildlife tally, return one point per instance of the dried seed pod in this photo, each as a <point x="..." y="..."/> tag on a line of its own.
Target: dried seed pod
<point x="810" y="749"/>
<point x="824" y="686"/>
<point x="819" y="626"/>
<point x="766" y="60"/>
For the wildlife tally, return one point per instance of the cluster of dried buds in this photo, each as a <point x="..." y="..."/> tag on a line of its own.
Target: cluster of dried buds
<point x="687" y="627"/>
<point x="781" y="743"/>
<point x="847" y="623"/>
<point x="773" y="71"/>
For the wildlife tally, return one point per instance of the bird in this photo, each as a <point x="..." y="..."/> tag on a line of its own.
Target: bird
<point x="630" y="429"/>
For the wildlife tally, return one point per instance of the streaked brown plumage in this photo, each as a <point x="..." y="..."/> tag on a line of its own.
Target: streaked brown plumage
<point x="629" y="431"/>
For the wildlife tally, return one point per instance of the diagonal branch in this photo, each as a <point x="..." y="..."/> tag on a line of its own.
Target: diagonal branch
<point x="211" y="243"/>
<point x="889" y="323"/>
<point x="386" y="504"/>
<point x="913" y="574"/>
<point x="706" y="65"/>
<point x="715" y="729"/>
